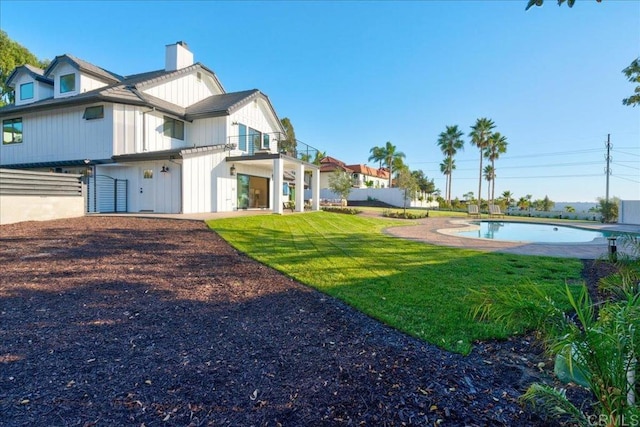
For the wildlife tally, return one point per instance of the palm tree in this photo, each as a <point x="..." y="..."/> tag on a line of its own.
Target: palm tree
<point x="480" y="134"/>
<point x="508" y="196"/>
<point x="377" y="155"/>
<point x="450" y="141"/>
<point x="490" y="176"/>
<point x="496" y="145"/>
<point x="523" y="203"/>
<point x="391" y="156"/>
<point x="446" y="167"/>
<point x="319" y="156"/>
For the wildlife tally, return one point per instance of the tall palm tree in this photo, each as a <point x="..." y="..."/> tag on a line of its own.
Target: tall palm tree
<point x="449" y="141"/>
<point x="480" y="133"/>
<point x="377" y="155"/>
<point x="496" y="145"/>
<point x="391" y="154"/>
<point x="446" y="167"/>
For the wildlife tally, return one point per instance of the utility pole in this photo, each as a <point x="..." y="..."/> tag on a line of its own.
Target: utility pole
<point x="608" y="168"/>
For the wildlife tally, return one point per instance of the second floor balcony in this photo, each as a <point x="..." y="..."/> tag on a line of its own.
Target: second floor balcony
<point x="258" y="142"/>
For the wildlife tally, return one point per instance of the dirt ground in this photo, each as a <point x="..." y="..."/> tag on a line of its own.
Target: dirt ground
<point x="109" y="321"/>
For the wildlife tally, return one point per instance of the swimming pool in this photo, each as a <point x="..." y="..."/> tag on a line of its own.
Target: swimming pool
<point x="532" y="232"/>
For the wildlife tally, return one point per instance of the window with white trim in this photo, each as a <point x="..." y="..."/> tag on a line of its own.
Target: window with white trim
<point x="67" y="83"/>
<point x="26" y="91"/>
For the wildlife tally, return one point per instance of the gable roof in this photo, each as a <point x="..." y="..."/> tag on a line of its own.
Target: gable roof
<point x="35" y="73"/>
<point x="221" y="105"/>
<point x="124" y="91"/>
<point x="330" y="164"/>
<point x="85" y="67"/>
<point x="129" y="90"/>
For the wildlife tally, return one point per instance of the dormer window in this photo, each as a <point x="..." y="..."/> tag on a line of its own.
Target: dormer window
<point x="26" y="91"/>
<point x="68" y="83"/>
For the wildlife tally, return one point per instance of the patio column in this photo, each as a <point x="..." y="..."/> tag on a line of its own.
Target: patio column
<point x="278" y="170"/>
<point x="315" y="189"/>
<point x="300" y="188"/>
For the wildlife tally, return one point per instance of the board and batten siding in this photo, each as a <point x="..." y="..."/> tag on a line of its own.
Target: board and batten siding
<point x="39" y="196"/>
<point x="209" y="131"/>
<point x="58" y="135"/>
<point x="207" y="184"/>
<point x="127" y="129"/>
<point x="165" y="185"/>
<point x="184" y="91"/>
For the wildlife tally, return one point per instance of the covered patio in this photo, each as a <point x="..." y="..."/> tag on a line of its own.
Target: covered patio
<point x="279" y="163"/>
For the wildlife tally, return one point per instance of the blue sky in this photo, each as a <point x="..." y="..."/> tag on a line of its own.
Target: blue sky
<point x="352" y="75"/>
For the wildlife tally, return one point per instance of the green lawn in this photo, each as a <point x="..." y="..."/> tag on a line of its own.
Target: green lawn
<point x="418" y="288"/>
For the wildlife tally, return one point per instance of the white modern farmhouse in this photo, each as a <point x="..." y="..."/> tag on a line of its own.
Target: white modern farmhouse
<point x="169" y="141"/>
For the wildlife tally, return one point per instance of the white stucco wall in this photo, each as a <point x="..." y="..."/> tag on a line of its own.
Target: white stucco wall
<point x="629" y="212"/>
<point x="39" y="208"/>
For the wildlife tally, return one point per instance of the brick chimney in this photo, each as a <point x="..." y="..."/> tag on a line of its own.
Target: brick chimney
<point x="177" y="56"/>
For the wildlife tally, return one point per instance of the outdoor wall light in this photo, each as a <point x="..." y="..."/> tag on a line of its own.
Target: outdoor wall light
<point x="234" y="123"/>
<point x="232" y="171"/>
<point x="164" y="169"/>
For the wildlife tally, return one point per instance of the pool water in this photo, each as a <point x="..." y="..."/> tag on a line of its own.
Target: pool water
<point x="532" y="232"/>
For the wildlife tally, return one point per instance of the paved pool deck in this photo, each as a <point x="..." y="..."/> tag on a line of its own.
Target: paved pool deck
<point x="443" y="231"/>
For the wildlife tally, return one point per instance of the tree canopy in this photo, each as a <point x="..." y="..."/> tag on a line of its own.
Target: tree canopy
<point x="288" y="144"/>
<point x="632" y="72"/>
<point x="340" y="183"/>
<point x="570" y="3"/>
<point x="12" y="55"/>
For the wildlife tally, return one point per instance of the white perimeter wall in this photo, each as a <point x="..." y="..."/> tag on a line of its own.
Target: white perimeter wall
<point x="629" y="212"/>
<point x="39" y="208"/>
<point x="391" y="196"/>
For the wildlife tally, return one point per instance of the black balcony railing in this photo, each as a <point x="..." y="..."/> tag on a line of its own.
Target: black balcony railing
<point x="257" y="142"/>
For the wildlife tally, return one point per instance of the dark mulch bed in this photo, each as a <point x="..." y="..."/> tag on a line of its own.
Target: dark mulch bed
<point x="124" y="321"/>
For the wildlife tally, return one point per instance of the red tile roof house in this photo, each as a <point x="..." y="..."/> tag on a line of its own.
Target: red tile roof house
<point x="169" y="141"/>
<point x="361" y="174"/>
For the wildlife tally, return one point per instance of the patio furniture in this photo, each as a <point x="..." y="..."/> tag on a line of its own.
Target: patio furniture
<point x="473" y="211"/>
<point x="494" y="211"/>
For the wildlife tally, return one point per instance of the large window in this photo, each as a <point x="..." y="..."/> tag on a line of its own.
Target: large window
<point x="12" y="131"/>
<point x="252" y="139"/>
<point x="242" y="137"/>
<point x="26" y="91"/>
<point x="92" y="113"/>
<point x="173" y="128"/>
<point x="67" y="83"/>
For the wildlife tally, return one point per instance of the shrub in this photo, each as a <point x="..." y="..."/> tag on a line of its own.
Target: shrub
<point x="348" y="211"/>
<point x="403" y="215"/>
